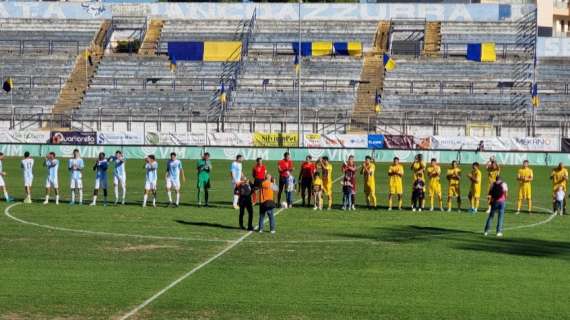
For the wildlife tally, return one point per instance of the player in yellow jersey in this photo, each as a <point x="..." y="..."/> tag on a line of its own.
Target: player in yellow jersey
<point x="493" y="171"/>
<point x="453" y="191"/>
<point x="525" y="177"/>
<point x="418" y="167"/>
<point x="559" y="177"/>
<point x="475" y="177"/>
<point x="318" y="191"/>
<point x="395" y="174"/>
<point x="327" y="176"/>
<point x="434" y="184"/>
<point x="368" y="170"/>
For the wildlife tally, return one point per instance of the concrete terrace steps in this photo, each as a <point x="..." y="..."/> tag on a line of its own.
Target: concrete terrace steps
<point x="432" y="38"/>
<point x="149" y="44"/>
<point x="77" y="84"/>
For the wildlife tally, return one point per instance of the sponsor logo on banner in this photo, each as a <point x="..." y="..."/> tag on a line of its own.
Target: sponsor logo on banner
<point x="14" y="136"/>
<point x="376" y="141"/>
<point x="120" y="138"/>
<point x="73" y="137"/>
<point x="495" y="143"/>
<point x="230" y="139"/>
<point x="345" y="141"/>
<point x="312" y="140"/>
<point x="423" y="143"/>
<point x="175" y="139"/>
<point x="261" y="139"/>
<point x="398" y="142"/>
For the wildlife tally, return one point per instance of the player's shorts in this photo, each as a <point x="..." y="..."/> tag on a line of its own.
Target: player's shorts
<point x="475" y="192"/>
<point x="120" y="179"/>
<point x="2" y="183"/>
<point x="52" y="183"/>
<point x="172" y="183"/>
<point x="101" y="183"/>
<point x="76" y="183"/>
<point x="396" y="188"/>
<point x="150" y="185"/>
<point x="453" y="191"/>
<point x="369" y="188"/>
<point x="28" y="180"/>
<point x="306" y="183"/>
<point x="327" y="188"/>
<point x="525" y="191"/>
<point x="434" y="189"/>
<point x="257" y="183"/>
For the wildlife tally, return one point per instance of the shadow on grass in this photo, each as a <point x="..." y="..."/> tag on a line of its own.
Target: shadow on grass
<point x="207" y="224"/>
<point x="405" y="234"/>
<point x="517" y="246"/>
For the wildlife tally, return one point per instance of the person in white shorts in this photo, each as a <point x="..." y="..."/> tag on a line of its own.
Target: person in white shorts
<point x="236" y="174"/>
<point x="151" y="168"/>
<point x="119" y="176"/>
<point x="2" y="183"/>
<point x="100" y="169"/>
<point x="75" y="166"/>
<point x="52" y="166"/>
<point x="27" y="165"/>
<point x="173" y="172"/>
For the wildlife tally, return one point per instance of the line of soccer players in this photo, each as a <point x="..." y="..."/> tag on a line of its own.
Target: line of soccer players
<point x="315" y="180"/>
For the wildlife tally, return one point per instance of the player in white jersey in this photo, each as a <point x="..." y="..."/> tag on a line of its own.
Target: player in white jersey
<point x="119" y="176"/>
<point x="151" y="177"/>
<point x="173" y="171"/>
<point x="75" y="166"/>
<point x="2" y="183"/>
<point x="27" y="166"/>
<point x="100" y="169"/>
<point x="52" y="166"/>
<point x="236" y="174"/>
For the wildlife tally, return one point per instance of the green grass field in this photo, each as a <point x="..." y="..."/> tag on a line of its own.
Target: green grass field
<point x="80" y="262"/>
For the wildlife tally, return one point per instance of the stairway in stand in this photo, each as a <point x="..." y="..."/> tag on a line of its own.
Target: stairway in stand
<point x="371" y="82"/>
<point x="73" y="91"/>
<point x="432" y="43"/>
<point x="150" y="42"/>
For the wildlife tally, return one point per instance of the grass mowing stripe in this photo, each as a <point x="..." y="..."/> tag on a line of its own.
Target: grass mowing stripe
<point x="189" y="273"/>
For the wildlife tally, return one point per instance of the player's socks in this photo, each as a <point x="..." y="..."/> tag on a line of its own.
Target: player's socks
<point x="390" y="203"/>
<point x="529" y="205"/>
<point x="72" y="197"/>
<point x="169" y="196"/>
<point x="400" y="202"/>
<point x="145" y="198"/>
<point x="124" y="194"/>
<point x="116" y="194"/>
<point x="519" y="204"/>
<point x="154" y="200"/>
<point x="94" y="201"/>
<point x="57" y="199"/>
<point x="235" y="202"/>
<point x="177" y="198"/>
<point x="47" y="199"/>
<point x="80" y="196"/>
<point x="6" y="196"/>
<point x="431" y="202"/>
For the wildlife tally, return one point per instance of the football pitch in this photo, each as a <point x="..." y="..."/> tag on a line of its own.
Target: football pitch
<point x="81" y="262"/>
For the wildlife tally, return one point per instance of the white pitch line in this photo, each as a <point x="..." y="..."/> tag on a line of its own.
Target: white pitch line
<point x="102" y="233"/>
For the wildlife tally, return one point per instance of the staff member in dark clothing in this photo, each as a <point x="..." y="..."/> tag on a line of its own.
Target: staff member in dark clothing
<point x="306" y="175"/>
<point x="245" y="191"/>
<point x="285" y="167"/>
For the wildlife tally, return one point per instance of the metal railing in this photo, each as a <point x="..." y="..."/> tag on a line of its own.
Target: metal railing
<point x="40" y="46"/>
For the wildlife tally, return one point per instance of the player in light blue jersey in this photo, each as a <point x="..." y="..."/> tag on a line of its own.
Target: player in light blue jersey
<point x="151" y="168"/>
<point x="119" y="175"/>
<point x="173" y="171"/>
<point x="27" y="166"/>
<point x="2" y="183"/>
<point x="100" y="169"/>
<point x="52" y="166"/>
<point x="75" y="166"/>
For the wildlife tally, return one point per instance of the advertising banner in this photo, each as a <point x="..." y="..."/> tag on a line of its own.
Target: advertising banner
<point x="261" y="139"/>
<point x="345" y="140"/>
<point x="230" y="139"/>
<point x="175" y="139"/>
<point x="120" y="138"/>
<point x="14" y="136"/>
<point x="398" y="142"/>
<point x="73" y="137"/>
<point x="531" y="144"/>
<point x="495" y="143"/>
<point x="376" y="141"/>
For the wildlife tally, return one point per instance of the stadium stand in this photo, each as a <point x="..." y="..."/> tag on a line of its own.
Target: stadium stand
<point x="39" y="55"/>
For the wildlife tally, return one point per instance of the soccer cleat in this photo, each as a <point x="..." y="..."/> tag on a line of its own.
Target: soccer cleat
<point x="390" y="209"/>
<point x="272" y="231"/>
<point x="92" y="204"/>
<point x="46" y="202"/>
<point x="518" y="212"/>
<point x="431" y="209"/>
<point x="71" y="203"/>
<point x="260" y="231"/>
<point x="413" y="209"/>
<point x="123" y="202"/>
<point x="441" y="209"/>
<point x="420" y="209"/>
<point x="353" y="207"/>
<point x="343" y="208"/>
<point x="485" y="233"/>
<point x="9" y="199"/>
<point x="488" y="210"/>
<point x="315" y="208"/>
<point x="236" y="207"/>
<point x="449" y="210"/>
<point x="500" y="234"/>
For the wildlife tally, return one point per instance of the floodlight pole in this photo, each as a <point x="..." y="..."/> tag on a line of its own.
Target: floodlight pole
<point x="299" y="68"/>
